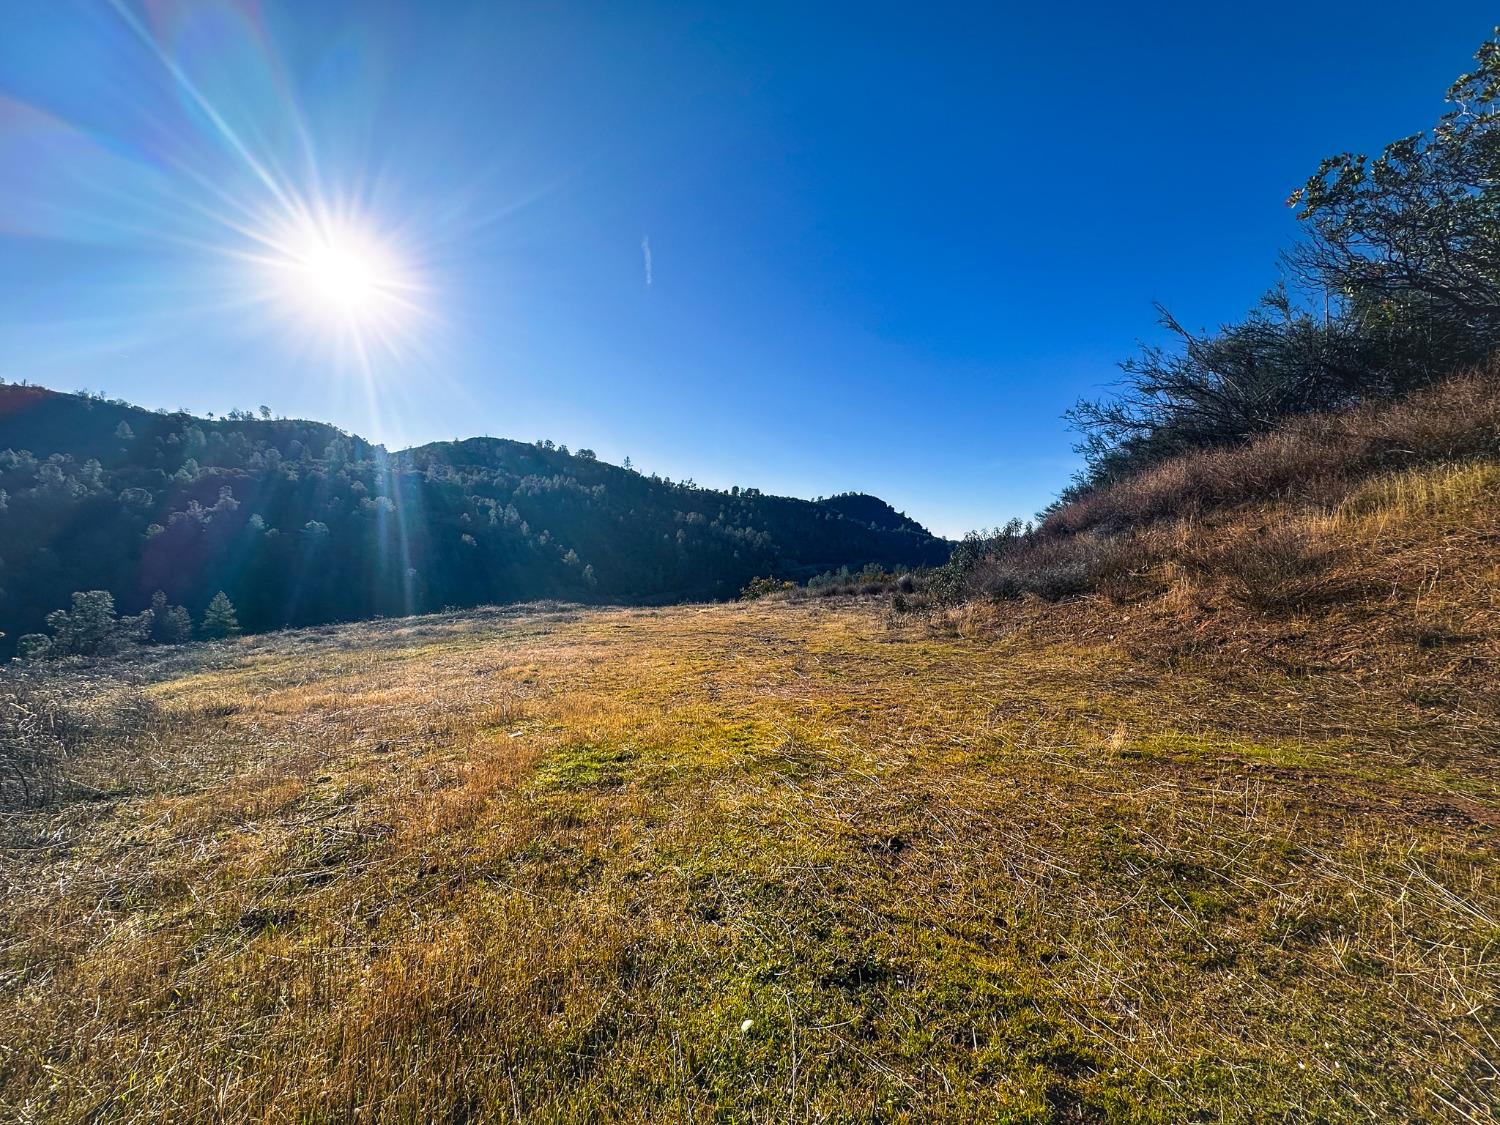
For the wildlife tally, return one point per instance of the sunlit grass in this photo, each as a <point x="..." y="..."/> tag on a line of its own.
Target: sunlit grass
<point x="547" y="865"/>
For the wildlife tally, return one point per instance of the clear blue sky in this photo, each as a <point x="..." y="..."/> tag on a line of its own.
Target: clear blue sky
<point x="889" y="244"/>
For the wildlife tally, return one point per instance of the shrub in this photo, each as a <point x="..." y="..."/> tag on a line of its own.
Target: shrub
<point x="90" y="628"/>
<point x="167" y="624"/>
<point x="36" y="730"/>
<point x="765" y="587"/>
<point x="1280" y="568"/>
<point x="1405" y="252"/>
<point x="34" y="646"/>
<point x="175" y="626"/>
<point x="1051" y="569"/>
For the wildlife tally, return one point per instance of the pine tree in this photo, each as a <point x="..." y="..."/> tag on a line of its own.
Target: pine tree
<point x="88" y="628"/>
<point x="169" y="624"/>
<point x="219" y="620"/>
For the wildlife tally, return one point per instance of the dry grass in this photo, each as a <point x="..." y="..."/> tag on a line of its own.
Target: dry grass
<point x="1309" y="460"/>
<point x="547" y="864"/>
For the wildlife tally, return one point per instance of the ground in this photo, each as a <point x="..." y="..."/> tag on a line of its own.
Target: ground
<point x="752" y="862"/>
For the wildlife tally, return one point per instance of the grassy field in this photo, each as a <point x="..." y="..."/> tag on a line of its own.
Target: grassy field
<point x="753" y="862"/>
<point x="1219" y="845"/>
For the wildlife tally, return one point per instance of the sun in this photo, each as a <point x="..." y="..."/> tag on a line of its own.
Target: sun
<point x="341" y="281"/>
<point x="341" y="277"/>
<point x="344" y="275"/>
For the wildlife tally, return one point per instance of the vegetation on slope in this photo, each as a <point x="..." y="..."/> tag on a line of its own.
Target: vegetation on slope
<point x="299" y="523"/>
<point x="1275" y="525"/>
<point x="873" y="511"/>
<point x="1228" y="484"/>
<point x="1401" y="278"/>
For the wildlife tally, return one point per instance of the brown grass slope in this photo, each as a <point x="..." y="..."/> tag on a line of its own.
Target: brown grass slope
<point x="1217" y="842"/>
<point x="1367" y="542"/>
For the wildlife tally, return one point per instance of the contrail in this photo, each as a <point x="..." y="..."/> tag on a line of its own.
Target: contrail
<point x="646" y="255"/>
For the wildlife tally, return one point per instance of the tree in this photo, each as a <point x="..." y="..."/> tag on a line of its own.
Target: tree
<point x="1409" y="241"/>
<point x="219" y="620"/>
<point x="1406" y="250"/>
<point x="1222" y="388"/>
<point x="88" y="629"/>
<point x="176" y="627"/>
<point x="168" y="624"/>
<point x="124" y="432"/>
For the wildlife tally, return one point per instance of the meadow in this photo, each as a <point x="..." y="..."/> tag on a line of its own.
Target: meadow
<point x="776" y="860"/>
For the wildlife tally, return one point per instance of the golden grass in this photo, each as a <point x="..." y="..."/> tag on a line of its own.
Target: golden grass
<point x="1309" y="458"/>
<point x="547" y="865"/>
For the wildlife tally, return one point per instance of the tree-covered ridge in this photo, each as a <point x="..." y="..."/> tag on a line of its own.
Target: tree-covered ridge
<point x="301" y="523"/>
<point x="871" y="510"/>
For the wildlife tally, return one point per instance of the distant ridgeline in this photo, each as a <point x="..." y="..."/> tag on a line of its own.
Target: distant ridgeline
<point x="301" y="523"/>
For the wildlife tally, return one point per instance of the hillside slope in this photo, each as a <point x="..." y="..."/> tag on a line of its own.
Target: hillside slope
<point x="871" y="510"/>
<point x="300" y="523"/>
<point x="1188" y="810"/>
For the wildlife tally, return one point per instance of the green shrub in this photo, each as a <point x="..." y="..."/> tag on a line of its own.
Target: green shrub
<point x="765" y="587"/>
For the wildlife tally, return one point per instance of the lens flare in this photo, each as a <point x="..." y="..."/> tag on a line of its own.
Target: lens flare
<point x="346" y="275"/>
<point x="340" y="280"/>
<point x="305" y="239"/>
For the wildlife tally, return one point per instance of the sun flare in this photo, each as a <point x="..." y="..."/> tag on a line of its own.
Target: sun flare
<point x="344" y="274"/>
<point x="343" y="282"/>
<point x="344" y="278"/>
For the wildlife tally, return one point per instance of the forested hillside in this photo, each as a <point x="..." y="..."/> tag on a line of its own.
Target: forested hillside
<point x="300" y="523"/>
<point x="872" y="510"/>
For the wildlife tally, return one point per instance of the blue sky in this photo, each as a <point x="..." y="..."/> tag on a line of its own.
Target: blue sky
<point x="888" y="244"/>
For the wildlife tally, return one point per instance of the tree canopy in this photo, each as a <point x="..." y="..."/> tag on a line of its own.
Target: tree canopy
<point x="1397" y="284"/>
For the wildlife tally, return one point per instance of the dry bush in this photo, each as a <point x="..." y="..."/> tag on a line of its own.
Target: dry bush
<point x="37" y="733"/>
<point x="843" y="583"/>
<point x="1282" y="567"/>
<point x="1312" y="458"/>
<point x="60" y="736"/>
<point x="1122" y="567"/>
<point x="1048" y="568"/>
<point x="766" y="588"/>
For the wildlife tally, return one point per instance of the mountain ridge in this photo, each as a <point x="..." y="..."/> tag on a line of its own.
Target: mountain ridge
<point x="303" y="523"/>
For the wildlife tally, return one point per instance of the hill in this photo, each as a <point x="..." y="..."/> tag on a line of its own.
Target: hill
<point x="301" y="523"/>
<point x="1368" y="537"/>
<point x="872" y="511"/>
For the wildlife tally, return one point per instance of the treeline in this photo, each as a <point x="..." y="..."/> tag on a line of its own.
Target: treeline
<point x="299" y="523"/>
<point x="1396" y="286"/>
<point x="93" y="627"/>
